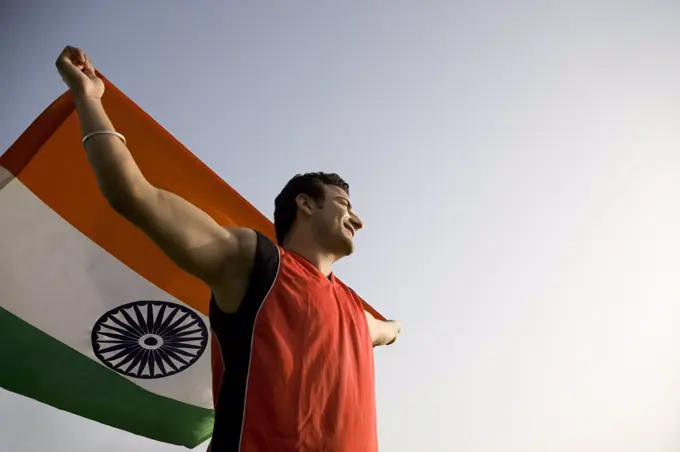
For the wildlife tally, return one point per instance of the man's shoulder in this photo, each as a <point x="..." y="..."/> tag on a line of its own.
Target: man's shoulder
<point x="253" y="263"/>
<point x="241" y="234"/>
<point x="250" y="242"/>
<point x="240" y="252"/>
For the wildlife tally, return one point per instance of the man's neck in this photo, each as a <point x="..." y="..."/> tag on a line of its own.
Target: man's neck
<point x="322" y="260"/>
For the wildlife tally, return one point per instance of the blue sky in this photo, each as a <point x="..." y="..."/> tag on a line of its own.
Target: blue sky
<point x="515" y="163"/>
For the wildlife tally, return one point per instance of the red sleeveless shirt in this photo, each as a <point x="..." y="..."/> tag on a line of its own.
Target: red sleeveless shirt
<point x="293" y="367"/>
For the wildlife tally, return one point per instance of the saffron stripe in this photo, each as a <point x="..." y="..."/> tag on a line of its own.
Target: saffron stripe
<point x="60" y="175"/>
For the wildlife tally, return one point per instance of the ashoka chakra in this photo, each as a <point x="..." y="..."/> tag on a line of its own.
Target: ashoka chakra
<point x="149" y="339"/>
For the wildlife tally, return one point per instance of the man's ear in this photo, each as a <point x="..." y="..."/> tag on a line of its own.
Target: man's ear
<point x="304" y="203"/>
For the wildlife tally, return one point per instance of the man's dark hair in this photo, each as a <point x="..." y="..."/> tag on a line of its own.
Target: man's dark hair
<point x="312" y="185"/>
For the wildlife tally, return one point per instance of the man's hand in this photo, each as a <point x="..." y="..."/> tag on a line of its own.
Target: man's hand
<point x="78" y="73"/>
<point x="393" y="330"/>
<point x="382" y="332"/>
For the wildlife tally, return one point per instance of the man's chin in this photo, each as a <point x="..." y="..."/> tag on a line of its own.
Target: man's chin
<point x="341" y="246"/>
<point x="349" y="247"/>
<point x="345" y="248"/>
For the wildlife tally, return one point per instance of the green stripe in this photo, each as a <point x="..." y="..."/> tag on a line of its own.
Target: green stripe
<point x="38" y="366"/>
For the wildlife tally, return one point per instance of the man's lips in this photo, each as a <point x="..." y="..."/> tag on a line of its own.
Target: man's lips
<point x="350" y="229"/>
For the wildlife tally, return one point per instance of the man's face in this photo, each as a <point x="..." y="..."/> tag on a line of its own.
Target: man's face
<point x="335" y="222"/>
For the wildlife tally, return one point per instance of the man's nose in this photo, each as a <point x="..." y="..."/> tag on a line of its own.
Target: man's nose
<point x="356" y="222"/>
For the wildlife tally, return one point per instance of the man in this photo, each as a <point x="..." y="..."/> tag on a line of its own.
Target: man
<point x="293" y="360"/>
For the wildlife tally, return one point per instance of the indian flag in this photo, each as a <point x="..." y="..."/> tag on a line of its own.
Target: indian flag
<point x="95" y="320"/>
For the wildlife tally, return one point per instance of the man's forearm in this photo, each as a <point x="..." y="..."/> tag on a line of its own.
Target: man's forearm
<point x="117" y="173"/>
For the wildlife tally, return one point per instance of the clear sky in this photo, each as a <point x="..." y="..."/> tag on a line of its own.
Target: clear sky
<point x="516" y="165"/>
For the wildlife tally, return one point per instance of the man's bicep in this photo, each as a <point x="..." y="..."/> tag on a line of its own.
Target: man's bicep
<point x="188" y="235"/>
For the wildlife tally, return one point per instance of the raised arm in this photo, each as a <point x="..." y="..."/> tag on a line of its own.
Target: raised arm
<point x="383" y="332"/>
<point x="190" y="237"/>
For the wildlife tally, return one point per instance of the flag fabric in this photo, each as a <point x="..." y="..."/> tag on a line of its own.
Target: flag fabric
<point x="94" y="318"/>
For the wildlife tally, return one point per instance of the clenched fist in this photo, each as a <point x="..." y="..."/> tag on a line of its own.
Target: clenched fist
<point x="78" y="73"/>
<point x="394" y="330"/>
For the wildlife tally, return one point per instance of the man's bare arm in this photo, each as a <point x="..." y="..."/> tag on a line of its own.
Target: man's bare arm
<point x="383" y="332"/>
<point x="189" y="236"/>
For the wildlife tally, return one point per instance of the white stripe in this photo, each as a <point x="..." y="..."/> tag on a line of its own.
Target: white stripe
<point x="55" y="278"/>
<point x="252" y="339"/>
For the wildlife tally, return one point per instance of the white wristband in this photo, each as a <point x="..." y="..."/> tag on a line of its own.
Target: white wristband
<point x="104" y="132"/>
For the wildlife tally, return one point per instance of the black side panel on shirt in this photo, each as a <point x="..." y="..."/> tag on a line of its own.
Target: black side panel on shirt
<point x="235" y="332"/>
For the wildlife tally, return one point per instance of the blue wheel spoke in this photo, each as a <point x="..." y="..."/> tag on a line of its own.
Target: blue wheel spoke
<point x="172" y="331"/>
<point x="127" y="328"/>
<point x="132" y="323"/>
<point x="159" y="319"/>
